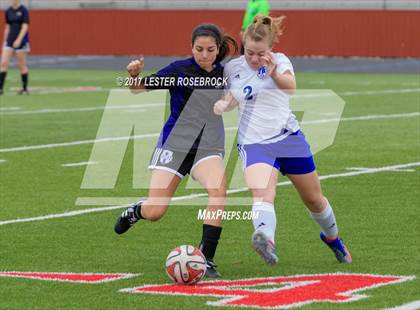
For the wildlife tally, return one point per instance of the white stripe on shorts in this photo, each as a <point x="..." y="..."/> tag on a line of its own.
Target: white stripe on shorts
<point x="167" y="169"/>
<point x="156" y="156"/>
<point x="242" y="154"/>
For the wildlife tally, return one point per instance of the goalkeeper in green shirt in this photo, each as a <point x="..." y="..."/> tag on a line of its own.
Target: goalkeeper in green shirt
<point x="255" y="7"/>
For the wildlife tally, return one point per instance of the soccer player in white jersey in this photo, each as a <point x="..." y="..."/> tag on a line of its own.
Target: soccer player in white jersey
<point x="270" y="140"/>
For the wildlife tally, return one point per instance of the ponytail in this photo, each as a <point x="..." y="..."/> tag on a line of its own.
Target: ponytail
<point x="265" y="27"/>
<point x="224" y="48"/>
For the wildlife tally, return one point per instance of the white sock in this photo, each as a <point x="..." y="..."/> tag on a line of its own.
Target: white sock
<point x="326" y="220"/>
<point x="266" y="220"/>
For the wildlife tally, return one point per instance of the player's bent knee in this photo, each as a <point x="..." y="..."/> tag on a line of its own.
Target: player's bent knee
<point x="154" y="212"/>
<point x="4" y="65"/>
<point x="154" y="215"/>
<point x="217" y="192"/>
<point x="267" y="195"/>
<point x="155" y="218"/>
<point x="314" y="201"/>
<point x="216" y="207"/>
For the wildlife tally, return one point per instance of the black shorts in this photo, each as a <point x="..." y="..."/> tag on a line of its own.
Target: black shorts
<point x="24" y="46"/>
<point x="180" y="163"/>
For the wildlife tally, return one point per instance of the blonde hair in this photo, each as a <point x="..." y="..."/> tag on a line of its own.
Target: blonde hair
<point x="265" y="27"/>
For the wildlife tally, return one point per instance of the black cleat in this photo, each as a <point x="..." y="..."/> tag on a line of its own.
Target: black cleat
<point x="127" y="219"/>
<point x="1" y="92"/>
<point x="211" y="271"/>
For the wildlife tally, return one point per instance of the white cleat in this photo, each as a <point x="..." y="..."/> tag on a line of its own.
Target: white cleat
<point x="264" y="247"/>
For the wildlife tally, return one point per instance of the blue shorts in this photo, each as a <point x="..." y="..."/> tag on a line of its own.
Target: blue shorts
<point x="291" y="155"/>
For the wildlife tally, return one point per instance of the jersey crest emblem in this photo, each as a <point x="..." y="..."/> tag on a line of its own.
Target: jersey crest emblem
<point x="262" y="72"/>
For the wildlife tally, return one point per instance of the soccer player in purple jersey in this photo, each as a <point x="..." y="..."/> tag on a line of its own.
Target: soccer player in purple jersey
<point x="192" y="139"/>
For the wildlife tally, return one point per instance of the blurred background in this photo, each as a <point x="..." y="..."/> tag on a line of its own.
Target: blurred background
<point x="385" y="29"/>
<point x="367" y="52"/>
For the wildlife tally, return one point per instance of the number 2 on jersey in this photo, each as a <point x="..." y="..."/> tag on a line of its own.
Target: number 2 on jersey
<point x="248" y="91"/>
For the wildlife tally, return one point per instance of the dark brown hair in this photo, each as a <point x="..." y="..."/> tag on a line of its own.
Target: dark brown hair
<point x="223" y="40"/>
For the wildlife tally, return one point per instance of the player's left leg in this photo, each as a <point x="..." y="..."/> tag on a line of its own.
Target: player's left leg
<point x="210" y="173"/>
<point x="24" y="71"/>
<point x="163" y="185"/>
<point x="6" y="55"/>
<point x="261" y="179"/>
<point x="309" y="189"/>
<point x="261" y="173"/>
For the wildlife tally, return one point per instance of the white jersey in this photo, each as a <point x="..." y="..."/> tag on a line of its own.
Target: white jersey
<point x="264" y="112"/>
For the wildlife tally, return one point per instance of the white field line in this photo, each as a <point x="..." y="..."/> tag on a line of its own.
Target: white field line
<point x="110" y="201"/>
<point x="56" y="145"/>
<point x="360" y="93"/>
<point x="2" y="161"/>
<point x="84" y="109"/>
<point x="361" y="118"/>
<point x="70" y="91"/>
<point x="232" y="191"/>
<point x="361" y="169"/>
<point x="380" y="92"/>
<point x="12" y="93"/>
<point x="410" y="83"/>
<point x="88" y="109"/>
<point x="63" y="90"/>
<point x="84" y="163"/>
<point x="10" y="109"/>
<point x="414" y="305"/>
<point x="151" y="135"/>
<point x="135" y="111"/>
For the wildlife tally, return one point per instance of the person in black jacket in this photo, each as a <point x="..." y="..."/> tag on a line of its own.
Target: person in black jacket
<point x="16" y="39"/>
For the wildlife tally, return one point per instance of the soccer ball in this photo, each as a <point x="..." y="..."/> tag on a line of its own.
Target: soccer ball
<point x="186" y="265"/>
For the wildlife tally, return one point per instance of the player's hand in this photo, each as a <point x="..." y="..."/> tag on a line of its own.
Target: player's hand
<point x="16" y="43"/>
<point x="223" y="104"/>
<point x="135" y="67"/>
<point x="220" y="106"/>
<point x="270" y="63"/>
